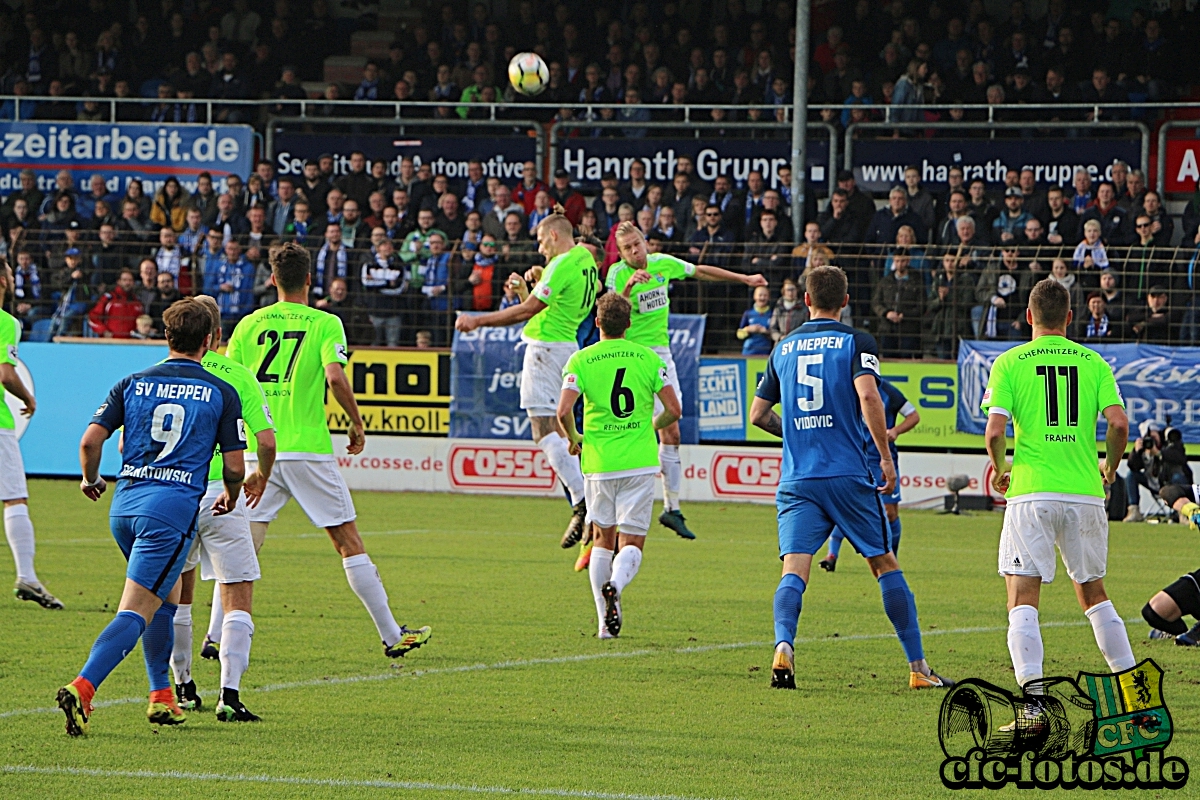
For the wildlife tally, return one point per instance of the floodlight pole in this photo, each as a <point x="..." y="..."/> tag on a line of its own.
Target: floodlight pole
<point x="800" y="119"/>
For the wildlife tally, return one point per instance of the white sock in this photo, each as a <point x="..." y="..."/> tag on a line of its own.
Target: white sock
<point x="565" y="465"/>
<point x="181" y="655"/>
<point x="1111" y="636"/>
<point x="18" y="528"/>
<point x="672" y="472"/>
<point x="364" y="580"/>
<point x="625" y="566"/>
<point x="1025" y="643"/>
<point x="599" y="572"/>
<point x="238" y="630"/>
<point x="216" y="619"/>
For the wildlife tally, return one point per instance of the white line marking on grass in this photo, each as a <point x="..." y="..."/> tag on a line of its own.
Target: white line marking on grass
<point x="335" y="783"/>
<point x="533" y="662"/>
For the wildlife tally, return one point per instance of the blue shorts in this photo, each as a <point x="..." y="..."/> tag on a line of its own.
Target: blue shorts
<point x="809" y="510"/>
<point x="156" y="551"/>
<point x="892" y="499"/>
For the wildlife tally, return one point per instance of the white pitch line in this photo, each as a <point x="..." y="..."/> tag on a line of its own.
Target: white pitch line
<point x="335" y="783"/>
<point x="533" y="662"/>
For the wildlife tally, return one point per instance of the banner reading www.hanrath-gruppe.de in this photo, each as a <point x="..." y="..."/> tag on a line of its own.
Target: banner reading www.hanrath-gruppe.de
<point x="1158" y="383"/>
<point x="121" y="152"/>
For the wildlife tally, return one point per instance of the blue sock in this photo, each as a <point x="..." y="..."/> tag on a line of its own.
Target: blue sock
<point x="901" y="608"/>
<point x="788" y="599"/>
<point x="835" y="542"/>
<point x="157" y="644"/>
<point x="895" y="527"/>
<point x="112" y="645"/>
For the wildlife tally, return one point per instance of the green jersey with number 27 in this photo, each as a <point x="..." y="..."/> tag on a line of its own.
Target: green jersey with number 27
<point x="286" y="346"/>
<point x="618" y="380"/>
<point x="651" y="302"/>
<point x="10" y="337"/>
<point x="1054" y="391"/>
<point x="568" y="288"/>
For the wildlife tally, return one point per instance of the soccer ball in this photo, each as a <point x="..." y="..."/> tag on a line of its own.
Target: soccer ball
<point x="528" y="74"/>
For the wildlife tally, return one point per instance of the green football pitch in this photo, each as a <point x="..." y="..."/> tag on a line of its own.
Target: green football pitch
<point x="514" y="694"/>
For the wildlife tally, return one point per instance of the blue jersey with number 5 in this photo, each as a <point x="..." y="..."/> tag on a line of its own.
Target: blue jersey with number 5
<point x="175" y="414"/>
<point x="811" y="375"/>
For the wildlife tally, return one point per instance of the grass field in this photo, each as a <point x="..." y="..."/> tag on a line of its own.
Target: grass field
<point x="515" y="694"/>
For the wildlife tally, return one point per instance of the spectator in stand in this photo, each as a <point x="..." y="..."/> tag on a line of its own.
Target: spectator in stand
<point x="1083" y="196"/>
<point x="517" y="252"/>
<point x="919" y="199"/>
<point x="980" y="206"/>
<point x="169" y="258"/>
<point x="494" y="222"/>
<point x="435" y="285"/>
<point x="1059" y="219"/>
<point x="837" y="223"/>
<point x="354" y="231"/>
<point x="229" y="222"/>
<point x="887" y="221"/>
<point x="166" y="294"/>
<point x="572" y="201"/>
<point x="115" y="315"/>
<point x="634" y="190"/>
<point x="449" y="218"/>
<point x="235" y="285"/>
<point x="1090" y="254"/>
<point x="1161" y="225"/>
<point x="765" y="249"/>
<point x="299" y="229"/>
<point x="1009" y="226"/>
<point x="281" y="209"/>
<point x="1154" y="322"/>
<point x="210" y="255"/>
<point x="1097" y="326"/>
<point x="948" y="310"/>
<point x="338" y="303"/>
<point x="669" y="232"/>
<point x="483" y="276"/>
<point x="1114" y="220"/>
<point x="384" y="279"/>
<point x="331" y="262"/>
<point x="527" y="188"/>
<point x="85" y="204"/>
<point x="1102" y="90"/>
<point x="1131" y="189"/>
<point x="543" y="207"/>
<point x="416" y="244"/>
<point x="105" y="258"/>
<point x="790" y="313"/>
<point x="898" y="302"/>
<point x="356" y="184"/>
<point x="755" y="327"/>
<point x="1002" y="291"/>
<point x="1060" y="271"/>
<point x="1114" y="298"/>
<point x="1145" y="262"/>
<point x="956" y="209"/>
<point x="714" y="243"/>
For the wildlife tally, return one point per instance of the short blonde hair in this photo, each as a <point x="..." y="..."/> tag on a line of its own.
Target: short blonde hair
<point x="1092" y="223"/>
<point x="559" y="223"/>
<point x="215" y="312"/>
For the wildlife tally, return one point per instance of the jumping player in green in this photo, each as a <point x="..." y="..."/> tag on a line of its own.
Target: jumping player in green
<point x="619" y="381"/>
<point x="644" y="278"/>
<point x="1054" y="390"/>
<point x="562" y="297"/>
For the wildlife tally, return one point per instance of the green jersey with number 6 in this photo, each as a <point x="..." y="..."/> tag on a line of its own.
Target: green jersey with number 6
<point x="10" y="337"/>
<point x="255" y="412"/>
<point x="568" y="288"/>
<point x="651" y="302"/>
<point x="1053" y="390"/>
<point x="618" y="380"/>
<point x="287" y="346"/>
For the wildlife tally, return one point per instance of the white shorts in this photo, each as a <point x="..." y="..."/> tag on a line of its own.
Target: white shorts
<point x="223" y="547"/>
<point x="672" y="378"/>
<point x="317" y="486"/>
<point x="12" y="468"/>
<point x="625" y="502"/>
<point x="1032" y="528"/>
<point x="541" y="376"/>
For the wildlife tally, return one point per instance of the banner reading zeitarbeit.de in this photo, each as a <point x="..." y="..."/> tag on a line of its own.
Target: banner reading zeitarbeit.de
<point x="121" y="152"/>
<point x="1158" y="383"/>
<point x="486" y="380"/>
<point x="879" y="164"/>
<point x="502" y="156"/>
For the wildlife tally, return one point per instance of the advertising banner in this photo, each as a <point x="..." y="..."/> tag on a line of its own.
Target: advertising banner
<point x="722" y="399"/>
<point x="399" y="393"/>
<point x="1182" y="162"/>
<point x="879" y="164"/>
<point x="587" y="159"/>
<point x="1158" y="383"/>
<point x="502" y="156"/>
<point x="121" y="152"/>
<point x="486" y="380"/>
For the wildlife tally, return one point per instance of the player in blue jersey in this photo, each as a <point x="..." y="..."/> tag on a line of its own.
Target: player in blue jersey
<point x="895" y="404"/>
<point x="174" y="415"/>
<point x="825" y="376"/>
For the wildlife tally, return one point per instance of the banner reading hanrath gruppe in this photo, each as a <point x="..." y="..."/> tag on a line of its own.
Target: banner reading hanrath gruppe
<point x="1158" y="383"/>
<point x="121" y="152"/>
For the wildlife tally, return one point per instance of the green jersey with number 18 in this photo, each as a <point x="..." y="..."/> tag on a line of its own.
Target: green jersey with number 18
<point x="651" y="302"/>
<point x="618" y="380"/>
<point x="287" y="346"/>
<point x="1054" y="391"/>
<point x="568" y="288"/>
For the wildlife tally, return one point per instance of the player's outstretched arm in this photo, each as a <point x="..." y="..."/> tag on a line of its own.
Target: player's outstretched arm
<point x="997" y="444"/>
<point x="339" y="384"/>
<point x="705" y="272"/>
<point x="232" y="474"/>
<point x="91" y="447"/>
<point x="873" y="414"/>
<point x="672" y="410"/>
<point x="1114" y="442"/>
<point x="499" y="319"/>
<point x="762" y="415"/>
<point x="256" y="483"/>
<point x="566" y="418"/>
<point x="13" y="384"/>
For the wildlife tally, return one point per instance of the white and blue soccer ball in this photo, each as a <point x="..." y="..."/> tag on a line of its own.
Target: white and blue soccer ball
<point x="528" y="73"/>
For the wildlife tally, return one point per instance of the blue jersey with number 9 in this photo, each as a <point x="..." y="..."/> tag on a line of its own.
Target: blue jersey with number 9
<point x="811" y="373"/>
<point x="175" y="414"/>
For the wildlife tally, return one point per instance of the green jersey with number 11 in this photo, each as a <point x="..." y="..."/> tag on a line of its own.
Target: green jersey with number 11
<point x="651" y="302"/>
<point x="287" y="346"/>
<point x="568" y="288"/>
<point x="1053" y="390"/>
<point x="618" y="380"/>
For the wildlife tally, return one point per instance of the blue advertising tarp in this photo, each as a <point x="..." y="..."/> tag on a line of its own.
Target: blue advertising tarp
<point x="723" y="399"/>
<point x="1158" y="383"/>
<point x="121" y="152"/>
<point x="502" y="156"/>
<point x="486" y="380"/>
<point x="879" y="164"/>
